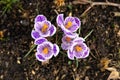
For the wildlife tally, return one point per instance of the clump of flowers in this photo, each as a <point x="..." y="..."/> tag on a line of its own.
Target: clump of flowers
<point x="42" y="29"/>
<point x="75" y="46"/>
<point x="71" y="42"/>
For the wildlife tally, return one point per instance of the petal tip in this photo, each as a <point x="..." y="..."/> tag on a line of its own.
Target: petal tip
<point x="56" y="49"/>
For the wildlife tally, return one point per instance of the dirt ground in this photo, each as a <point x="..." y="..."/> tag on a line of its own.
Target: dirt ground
<point x="16" y="41"/>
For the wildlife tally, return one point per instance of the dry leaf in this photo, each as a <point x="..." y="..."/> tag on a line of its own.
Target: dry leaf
<point x="55" y="72"/>
<point x="80" y="2"/>
<point x="116" y="14"/>
<point x="2" y="33"/>
<point x="59" y="3"/>
<point x="111" y="69"/>
<point x="86" y="78"/>
<point x="63" y="76"/>
<point x="77" y="77"/>
<point x="104" y="66"/>
<point x="45" y="62"/>
<point x="114" y="73"/>
<point x="57" y="78"/>
<point x="104" y="63"/>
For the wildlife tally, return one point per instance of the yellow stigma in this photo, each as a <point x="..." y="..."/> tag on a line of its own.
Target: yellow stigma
<point x="45" y="50"/>
<point x="44" y="28"/>
<point x="68" y="39"/>
<point x="68" y="25"/>
<point x="78" y="48"/>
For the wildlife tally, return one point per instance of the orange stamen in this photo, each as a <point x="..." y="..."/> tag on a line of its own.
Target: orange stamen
<point x="44" y="28"/>
<point x="68" y="39"/>
<point x="45" y="50"/>
<point x="78" y="48"/>
<point x="68" y="25"/>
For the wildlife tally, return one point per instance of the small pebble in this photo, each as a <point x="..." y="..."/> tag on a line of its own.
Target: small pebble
<point x="118" y="33"/>
<point x="1" y="77"/>
<point x="18" y="61"/>
<point x="33" y="72"/>
<point x="24" y="22"/>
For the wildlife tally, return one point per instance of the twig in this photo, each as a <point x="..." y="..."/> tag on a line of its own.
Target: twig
<point x="116" y="14"/>
<point x="95" y="3"/>
<point x="86" y="10"/>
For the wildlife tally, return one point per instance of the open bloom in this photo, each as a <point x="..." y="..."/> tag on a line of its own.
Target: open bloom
<point x="46" y="50"/>
<point x="69" y="25"/>
<point x="42" y="28"/>
<point x="67" y="40"/>
<point x="78" y="49"/>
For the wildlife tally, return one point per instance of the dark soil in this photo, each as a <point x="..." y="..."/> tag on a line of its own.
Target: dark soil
<point x="16" y="41"/>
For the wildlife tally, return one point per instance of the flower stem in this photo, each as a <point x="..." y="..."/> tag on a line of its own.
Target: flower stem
<point x="76" y="60"/>
<point x="79" y="30"/>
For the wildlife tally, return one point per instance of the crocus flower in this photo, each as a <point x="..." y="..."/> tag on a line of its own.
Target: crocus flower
<point x="67" y="40"/>
<point x="46" y="50"/>
<point x="78" y="50"/>
<point x="45" y="28"/>
<point x="69" y="25"/>
<point x="42" y="28"/>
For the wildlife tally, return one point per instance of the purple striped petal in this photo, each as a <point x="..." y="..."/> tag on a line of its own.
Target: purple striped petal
<point x="77" y="20"/>
<point x="65" y="46"/>
<point x="60" y="20"/>
<point x="40" y="57"/>
<point x="78" y="54"/>
<point x="74" y="28"/>
<point x="52" y="30"/>
<point x="79" y="39"/>
<point x="38" y="26"/>
<point x="40" y="18"/>
<point x="55" y="50"/>
<point x="67" y="19"/>
<point x="40" y="40"/>
<point x="86" y="53"/>
<point x="35" y="34"/>
<point x="70" y="55"/>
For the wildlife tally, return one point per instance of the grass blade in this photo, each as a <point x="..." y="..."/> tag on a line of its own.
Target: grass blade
<point x="33" y="46"/>
<point x="88" y="34"/>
